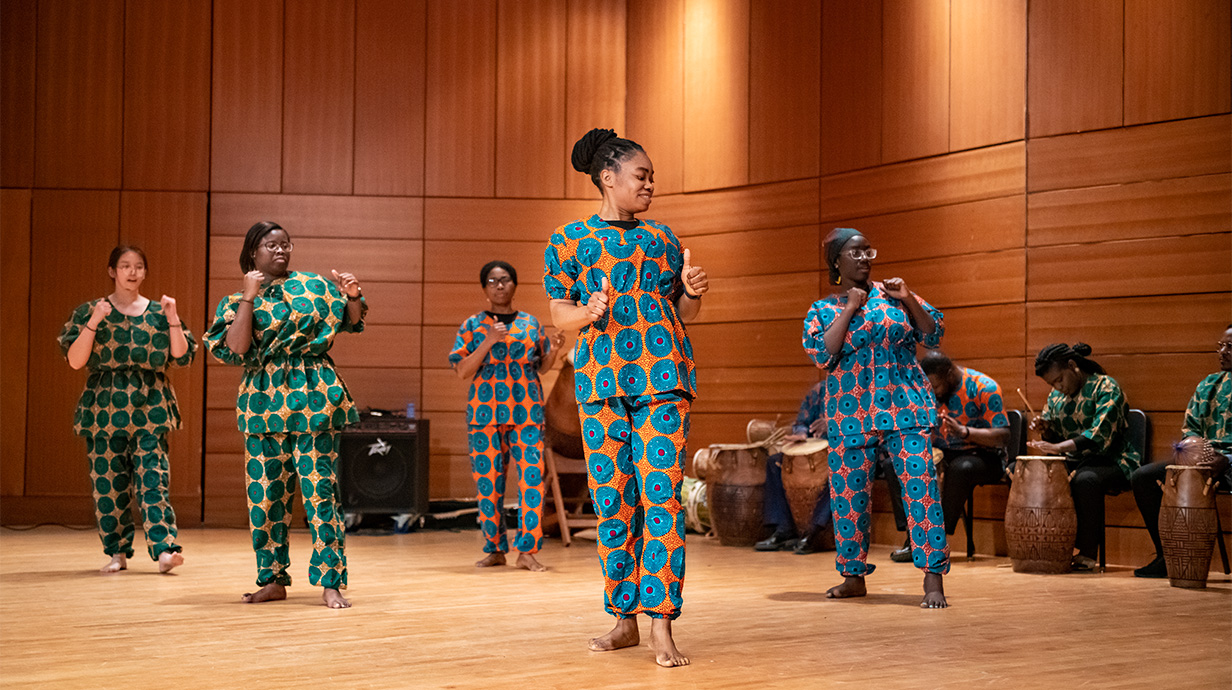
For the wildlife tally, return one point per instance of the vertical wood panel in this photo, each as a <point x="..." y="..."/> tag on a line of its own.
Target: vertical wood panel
<point x="784" y="90"/>
<point x="390" y="60"/>
<point x="716" y="94"/>
<point x="86" y="226"/>
<point x="851" y="81"/>
<point x="14" y="336"/>
<point x="915" y="102"/>
<point x="1075" y="63"/>
<point x="177" y="268"/>
<point x="167" y="94"/>
<point x="461" y="93"/>
<point x="988" y="62"/>
<point x="1178" y="59"/>
<point x="246" y="115"/>
<point x="530" y="99"/>
<point x="594" y="78"/>
<point x="319" y="97"/>
<point x="79" y="118"/>
<point x="17" y="34"/>
<point x="655" y="103"/>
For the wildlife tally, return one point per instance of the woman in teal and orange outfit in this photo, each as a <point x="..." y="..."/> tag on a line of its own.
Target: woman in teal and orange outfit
<point x="127" y="341"/>
<point x="292" y="404"/>
<point x="629" y="287"/>
<point x="502" y="350"/>
<point x="877" y="399"/>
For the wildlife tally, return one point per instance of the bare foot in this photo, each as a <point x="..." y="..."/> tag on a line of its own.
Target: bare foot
<point x="271" y="592"/>
<point x="851" y="587"/>
<point x="934" y="593"/>
<point x="333" y="599"/>
<point x="118" y="563"/>
<point x="664" y="647"/>
<point x="490" y="560"/>
<point x="624" y="634"/>
<point x="527" y="561"/>
<point x="168" y="560"/>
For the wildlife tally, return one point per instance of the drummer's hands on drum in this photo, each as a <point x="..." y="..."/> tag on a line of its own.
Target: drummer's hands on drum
<point x="817" y="427"/>
<point x="1037" y="423"/>
<point x="1046" y="447"/>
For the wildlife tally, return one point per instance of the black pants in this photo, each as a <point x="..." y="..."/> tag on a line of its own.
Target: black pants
<point x="965" y="470"/>
<point x="1148" y="494"/>
<point x="1088" y="487"/>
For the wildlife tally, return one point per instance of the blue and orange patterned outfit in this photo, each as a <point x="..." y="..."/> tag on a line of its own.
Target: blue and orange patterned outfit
<point x="635" y="382"/>
<point x="977" y="403"/>
<point x="504" y="421"/>
<point x="877" y="396"/>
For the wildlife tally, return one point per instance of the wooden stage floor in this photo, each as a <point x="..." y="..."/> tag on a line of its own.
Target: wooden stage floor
<point x="425" y="618"/>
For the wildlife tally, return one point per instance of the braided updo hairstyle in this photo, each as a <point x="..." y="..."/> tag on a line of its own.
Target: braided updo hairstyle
<point x="599" y="150"/>
<point x="1060" y="354"/>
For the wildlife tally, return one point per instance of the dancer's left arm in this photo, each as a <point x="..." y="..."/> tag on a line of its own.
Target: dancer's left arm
<point x="696" y="284"/>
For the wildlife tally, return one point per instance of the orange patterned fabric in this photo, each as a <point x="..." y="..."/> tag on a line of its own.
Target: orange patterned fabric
<point x="635" y="461"/>
<point x="640" y="346"/>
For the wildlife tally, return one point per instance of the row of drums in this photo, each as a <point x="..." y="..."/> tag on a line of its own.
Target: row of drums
<point x="1040" y="521"/>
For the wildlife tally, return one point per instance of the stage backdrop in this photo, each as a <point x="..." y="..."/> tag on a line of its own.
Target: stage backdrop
<point x="1043" y="171"/>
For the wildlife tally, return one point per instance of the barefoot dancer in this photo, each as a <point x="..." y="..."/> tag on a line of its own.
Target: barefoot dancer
<point x="127" y="341"/>
<point x="502" y="350"/>
<point x="626" y="284"/>
<point x="292" y="404"/>
<point x="877" y="397"/>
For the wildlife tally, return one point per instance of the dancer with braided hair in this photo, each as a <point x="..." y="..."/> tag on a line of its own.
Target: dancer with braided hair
<point x="628" y="286"/>
<point x="1086" y="419"/>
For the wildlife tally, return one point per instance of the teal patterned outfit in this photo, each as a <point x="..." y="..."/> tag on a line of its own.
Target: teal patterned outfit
<point x="125" y="413"/>
<point x="291" y="408"/>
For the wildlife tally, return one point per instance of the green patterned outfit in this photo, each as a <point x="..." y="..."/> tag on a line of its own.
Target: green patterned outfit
<point x="1097" y="419"/>
<point x="292" y="407"/>
<point x="124" y="413"/>
<point x="1209" y="413"/>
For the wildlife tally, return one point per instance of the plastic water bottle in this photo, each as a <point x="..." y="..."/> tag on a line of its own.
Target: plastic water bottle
<point x="410" y="410"/>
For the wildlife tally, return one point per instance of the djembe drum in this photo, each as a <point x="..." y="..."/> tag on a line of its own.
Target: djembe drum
<point x="806" y="471"/>
<point x="736" y="492"/>
<point x="1040" y="522"/>
<point x="1187" y="524"/>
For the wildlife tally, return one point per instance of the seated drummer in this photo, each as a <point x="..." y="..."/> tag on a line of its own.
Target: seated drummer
<point x="972" y="433"/>
<point x="810" y="423"/>
<point x="1087" y="420"/>
<point x="1208" y="416"/>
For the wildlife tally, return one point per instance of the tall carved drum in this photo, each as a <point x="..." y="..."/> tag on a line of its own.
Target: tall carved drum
<point x="1040" y="522"/>
<point x="736" y="492"/>
<point x="806" y="471"/>
<point x="1187" y="525"/>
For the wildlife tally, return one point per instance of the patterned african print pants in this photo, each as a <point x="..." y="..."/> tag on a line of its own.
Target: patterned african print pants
<point x="119" y="467"/>
<point x="852" y="461"/>
<point x="635" y="462"/>
<point x="274" y="461"/>
<point x="493" y="449"/>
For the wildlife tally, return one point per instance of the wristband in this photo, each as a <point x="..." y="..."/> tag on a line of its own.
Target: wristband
<point x="175" y="325"/>
<point x="966" y="431"/>
<point x="87" y="327"/>
<point x="246" y="300"/>
<point x="686" y="294"/>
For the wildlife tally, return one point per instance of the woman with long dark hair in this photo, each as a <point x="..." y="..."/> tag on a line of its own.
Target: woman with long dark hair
<point x="629" y="286"/>
<point x="501" y="351"/>
<point x="127" y="342"/>
<point x="292" y="404"/>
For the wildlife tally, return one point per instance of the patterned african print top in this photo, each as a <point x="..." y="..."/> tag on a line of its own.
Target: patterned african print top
<point x="1097" y="419"/>
<point x="639" y="347"/>
<point x="976" y="402"/>
<point x="1209" y="413"/>
<point x="289" y="383"/>
<point x="874" y="382"/>
<point x="810" y="410"/>
<point x="506" y="389"/>
<point x="127" y="392"/>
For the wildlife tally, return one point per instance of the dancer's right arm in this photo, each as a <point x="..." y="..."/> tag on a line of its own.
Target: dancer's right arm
<point x="239" y="334"/>
<point x="836" y="334"/>
<point x="469" y="365"/>
<point x="568" y="315"/>
<point x="79" y="351"/>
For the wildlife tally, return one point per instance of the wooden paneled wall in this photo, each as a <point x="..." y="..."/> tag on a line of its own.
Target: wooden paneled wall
<point x="1039" y="170"/>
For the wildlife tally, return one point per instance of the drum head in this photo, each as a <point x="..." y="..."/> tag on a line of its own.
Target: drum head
<point x="806" y="447"/>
